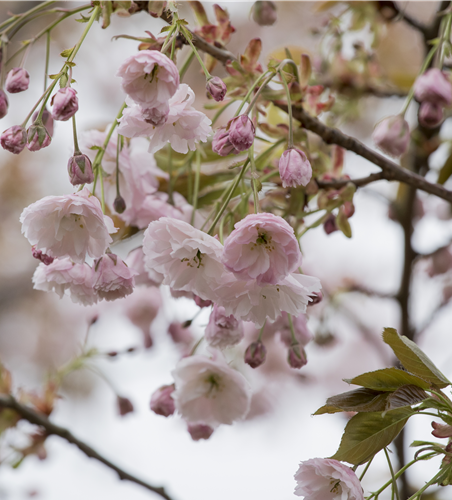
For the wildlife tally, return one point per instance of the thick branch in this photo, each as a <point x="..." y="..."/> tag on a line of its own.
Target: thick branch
<point x="52" y="429"/>
<point x="362" y="181"/>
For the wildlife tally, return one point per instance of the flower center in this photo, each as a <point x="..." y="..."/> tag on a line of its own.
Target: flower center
<point x="213" y="381"/>
<point x="152" y="74"/>
<point x="264" y="240"/>
<point x="196" y="261"/>
<point x="336" y="486"/>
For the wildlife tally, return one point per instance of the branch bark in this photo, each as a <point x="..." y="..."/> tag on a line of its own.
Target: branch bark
<point x="33" y="417"/>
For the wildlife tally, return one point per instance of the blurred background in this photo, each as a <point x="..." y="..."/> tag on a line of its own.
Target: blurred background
<point x="256" y="458"/>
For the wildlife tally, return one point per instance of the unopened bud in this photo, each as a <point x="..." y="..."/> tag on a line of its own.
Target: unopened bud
<point x="264" y="13"/>
<point x="216" y="88"/>
<point x="433" y="86"/>
<point x="119" y="205"/>
<point x="294" y="168"/>
<point x="44" y="258"/>
<point x="430" y="114"/>
<point x="296" y="356"/>
<point x="161" y="401"/>
<point x="65" y="104"/>
<point x="348" y="208"/>
<point x="125" y="406"/>
<point x="3" y="104"/>
<point x="17" y="80"/>
<point x="14" y="139"/>
<point x="47" y="120"/>
<point x="221" y="143"/>
<point x="241" y="132"/>
<point x="37" y="137"/>
<point x="441" y="430"/>
<point x="199" y="431"/>
<point x="392" y="135"/>
<point x="329" y="226"/>
<point x="316" y="298"/>
<point x="255" y="354"/>
<point x="201" y="302"/>
<point x="80" y="169"/>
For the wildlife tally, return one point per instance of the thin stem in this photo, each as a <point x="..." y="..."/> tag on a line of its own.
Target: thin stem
<point x="23" y="16"/>
<point x="365" y="469"/>
<point x="46" y="68"/>
<point x="196" y="187"/>
<point x="4" y="46"/>
<point x="289" y="106"/>
<point x="119" y="144"/>
<point x="262" y="331"/>
<point x="292" y="330"/>
<point x="168" y="39"/>
<point x="250" y="91"/>
<point x="170" y="175"/>
<point x="427" y="485"/>
<point x="253" y="179"/>
<point x="187" y="36"/>
<point x="256" y="95"/>
<point x="186" y="65"/>
<point x="228" y="198"/>
<point x="85" y="32"/>
<point x="220" y="111"/>
<point x="74" y="133"/>
<point x="173" y="47"/>
<point x="394" y="481"/>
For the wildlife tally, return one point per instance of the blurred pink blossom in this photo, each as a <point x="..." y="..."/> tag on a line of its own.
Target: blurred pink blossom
<point x="223" y="330"/>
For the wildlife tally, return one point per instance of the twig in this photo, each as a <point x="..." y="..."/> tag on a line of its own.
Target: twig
<point x="52" y="429"/>
<point x="362" y="181"/>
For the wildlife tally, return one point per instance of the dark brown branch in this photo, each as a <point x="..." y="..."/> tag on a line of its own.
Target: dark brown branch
<point x="52" y="429"/>
<point x="362" y="181"/>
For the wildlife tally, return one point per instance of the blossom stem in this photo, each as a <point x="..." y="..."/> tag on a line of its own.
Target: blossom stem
<point x="250" y="91"/>
<point x="321" y="219"/>
<point x="102" y="194"/>
<point x="85" y="32"/>
<point x="186" y="65"/>
<point x="256" y="95"/>
<point x="46" y="68"/>
<point x="365" y="469"/>
<point x="262" y="331"/>
<point x="292" y="331"/>
<point x="253" y="179"/>
<point x="228" y="198"/>
<point x="4" y="47"/>
<point x="168" y="39"/>
<point x="289" y="107"/>
<point x="391" y="470"/>
<point x="445" y="39"/>
<point x="74" y="134"/>
<point x="220" y="111"/>
<point x="196" y="346"/>
<point x="170" y="175"/>
<point x="187" y="36"/>
<point x="196" y="186"/>
<point x="173" y="47"/>
<point x="119" y="145"/>
<point x="23" y="16"/>
<point x="427" y="485"/>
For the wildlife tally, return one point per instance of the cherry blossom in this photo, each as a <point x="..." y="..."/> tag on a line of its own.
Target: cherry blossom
<point x="112" y="278"/>
<point x="223" y="330"/>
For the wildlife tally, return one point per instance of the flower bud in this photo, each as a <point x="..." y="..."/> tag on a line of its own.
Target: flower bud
<point x="199" y="431"/>
<point x="221" y="143"/>
<point x="430" y="114"/>
<point x="392" y="135"/>
<point x="79" y="169"/>
<point x="179" y="333"/>
<point x="201" y="302"/>
<point x="216" y="88"/>
<point x="65" y="104"/>
<point x="294" y="168"/>
<point x="37" y="137"/>
<point x="119" y="204"/>
<point x="296" y="356"/>
<point x="156" y="116"/>
<point x="44" y="258"/>
<point x="125" y="406"/>
<point x="47" y="120"/>
<point x="329" y="226"/>
<point x="3" y="104"/>
<point x="441" y="430"/>
<point x="17" y="80"/>
<point x="316" y="298"/>
<point x="161" y="401"/>
<point x="264" y="13"/>
<point x="433" y="86"/>
<point x="255" y="354"/>
<point x="14" y="139"/>
<point x="241" y="132"/>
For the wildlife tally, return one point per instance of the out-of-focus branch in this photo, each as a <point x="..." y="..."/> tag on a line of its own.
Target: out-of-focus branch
<point x="33" y="417"/>
<point x="362" y="181"/>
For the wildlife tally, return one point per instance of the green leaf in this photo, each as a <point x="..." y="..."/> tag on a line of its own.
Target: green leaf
<point x="406" y="395"/>
<point x="413" y="359"/>
<point x="368" y="433"/>
<point x="83" y="19"/>
<point x="66" y="53"/>
<point x="361" y="400"/>
<point x="343" y="224"/>
<point x="446" y="171"/>
<point x="387" y="379"/>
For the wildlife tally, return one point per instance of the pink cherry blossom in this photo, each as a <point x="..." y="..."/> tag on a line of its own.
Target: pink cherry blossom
<point x="112" y="278"/>
<point x="210" y="391"/>
<point x="189" y="259"/>
<point x="65" y="104"/>
<point x="184" y="127"/>
<point x="250" y="301"/>
<point x="294" y="168"/>
<point x="262" y="247"/>
<point x="149" y="77"/>
<point x="392" y="135"/>
<point x="162" y="402"/>
<point x="17" y="80"/>
<point x="300" y="326"/>
<point x="327" y="479"/>
<point x="72" y="225"/>
<point x="64" y="276"/>
<point x="223" y="330"/>
<point x="135" y="260"/>
<point x="433" y="86"/>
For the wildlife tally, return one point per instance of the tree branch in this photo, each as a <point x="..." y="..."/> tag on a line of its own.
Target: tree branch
<point x="33" y="417"/>
<point x="362" y="181"/>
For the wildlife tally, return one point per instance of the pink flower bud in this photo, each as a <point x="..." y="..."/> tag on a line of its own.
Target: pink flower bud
<point x="199" y="431"/>
<point x="296" y="356"/>
<point x="37" y="137"/>
<point x="264" y="13"/>
<point x="125" y="406"/>
<point x="216" y="88"/>
<point x="221" y="143"/>
<point x="430" y="114"/>
<point x="441" y="262"/>
<point x="47" y="120"/>
<point x="201" y="302"/>
<point x="119" y="205"/>
<point x="156" y="116"/>
<point x="255" y="354"/>
<point x="3" y="104"/>
<point x="316" y="298"/>
<point x="433" y="86"/>
<point x="161" y="401"/>
<point x="65" y="104"/>
<point x="44" y="258"/>
<point x="17" y="80"/>
<point x="329" y="226"/>
<point x="14" y="139"/>
<point x="294" y="168"/>
<point x="80" y="170"/>
<point x="392" y="135"/>
<point x="241" y="132"/>
<point x="348" y="208"/>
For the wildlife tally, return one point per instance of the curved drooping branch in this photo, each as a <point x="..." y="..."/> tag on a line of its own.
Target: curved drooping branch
<point x="50" y="428"/>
